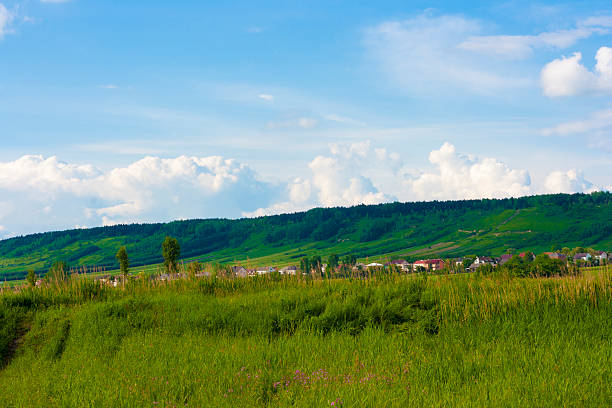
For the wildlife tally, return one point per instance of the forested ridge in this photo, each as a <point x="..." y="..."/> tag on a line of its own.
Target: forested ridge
<point x="490" y="226"/>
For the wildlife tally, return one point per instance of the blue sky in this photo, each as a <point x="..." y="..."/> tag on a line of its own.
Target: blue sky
<point x="122" y="111"/>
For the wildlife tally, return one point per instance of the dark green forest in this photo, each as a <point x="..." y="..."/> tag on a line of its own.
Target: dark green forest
<point x="408" y="230"/>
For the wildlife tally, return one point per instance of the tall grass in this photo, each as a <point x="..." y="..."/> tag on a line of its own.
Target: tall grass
<point x="388" y="340"/>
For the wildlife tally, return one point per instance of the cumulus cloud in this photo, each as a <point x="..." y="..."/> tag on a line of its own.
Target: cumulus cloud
<point x="567" y="76"/>
<point x="458" y="176"/>
<point x="38" y="193"/>
<point x="571" y="181"/>
<point x="44" y="193"/>
<point x="345" y="177"/>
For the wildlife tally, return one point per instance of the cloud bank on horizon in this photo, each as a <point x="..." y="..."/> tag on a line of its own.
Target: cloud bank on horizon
<point x="272" y="108"/>
<point x="62" y="195"/>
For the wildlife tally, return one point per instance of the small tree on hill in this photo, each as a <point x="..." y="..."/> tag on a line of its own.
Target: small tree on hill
<point x="124" y="262"/>
<point x="305" y="265"/>
<point x="332" y="262"/>
<point x="171" y="251"/>
<point x="350" y="260"/>
<point x="31" y="278"/>
<point x="317" y="264"/>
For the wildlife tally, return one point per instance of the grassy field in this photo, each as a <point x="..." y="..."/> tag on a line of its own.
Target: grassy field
<point x="385" y="341"/>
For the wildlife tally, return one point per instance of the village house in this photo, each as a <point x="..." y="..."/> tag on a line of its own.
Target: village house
<point x="482" y="260"/>
<point x="601" y="255"/>
<point x="289" y="270"/>
<point x="556" y="255"/>
<point x="504" y="258"/>
<point x="582" y="256"/>
<point x="402" y="264"/>
<point x="374" y="265"/>
<point x="430" y="264"/>
<point x="240" y="271"/>
<point x="265" y="270"/>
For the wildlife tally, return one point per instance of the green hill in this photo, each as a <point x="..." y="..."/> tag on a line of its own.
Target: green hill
<point x="408" y="230"/>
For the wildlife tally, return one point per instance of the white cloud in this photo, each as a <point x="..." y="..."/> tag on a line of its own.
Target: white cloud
<point x="343" y="178"/>
<point x="460" y="177"/>
<point x="6" y="17"/>
<point x="572" y="181"/>
<point x="425" y="53"/>
<point x="304" y="123"/>
<point x="45" y="193"/>
<point x="597" y="121"/>
<point x="596" y="130"/>
<point x="343" y="119"/>
<point x="266" y="97"/>
<point x="39" y="193"/>
<point x="567" y="76"/>
<point x="594" y="21"/>
<point x="522" y="46"/>
<point x="109" y="86"/>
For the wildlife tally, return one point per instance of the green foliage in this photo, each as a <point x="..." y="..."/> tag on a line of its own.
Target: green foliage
<point x="406" y="230"/>
<point x="31" y="278"/>
<point x="124" y="262"/>
<point x="349" y="260"/>
<point x="305" y="265"/>
<point x="171" y="251"/>
<point x="333" y="261"/>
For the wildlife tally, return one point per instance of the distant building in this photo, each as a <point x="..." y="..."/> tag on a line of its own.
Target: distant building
<point x="265" y="270"/>
<point x="402" y="263"/>
<point x="289" y="270"/>
<point x="240" y="271"/>
<point x="556" y="255"/>
<point x="601" y="255"/>
<point x="582" y="256"/>
<point x="504" y="258"/>
<point x="430" y="264"/>
<point x="374" y="265"/>
<point x="482" y="260"/>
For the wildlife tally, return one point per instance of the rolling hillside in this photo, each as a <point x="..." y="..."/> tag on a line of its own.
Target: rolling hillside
<point x="408" y="230"/>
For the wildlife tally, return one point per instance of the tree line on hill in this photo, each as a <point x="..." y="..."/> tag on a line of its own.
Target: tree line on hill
<point x="419" y="223"/>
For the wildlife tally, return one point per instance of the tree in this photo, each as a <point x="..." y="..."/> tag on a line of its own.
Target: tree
<point x="124" y="262"/>
<point x="316" y="264"/>
<point x="350" y="260"/>
<point x="171" y="251"/>
<point x="332" y="261"/>
<point x="305" y="265"/>
<point x="31" y="278"/>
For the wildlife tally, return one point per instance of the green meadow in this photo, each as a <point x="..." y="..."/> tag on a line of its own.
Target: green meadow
<point x="381" y="341"/>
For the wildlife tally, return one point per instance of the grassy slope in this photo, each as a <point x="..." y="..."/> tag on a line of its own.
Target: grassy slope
<point x="412" y="233"/>
<point x="449" y="341"/>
